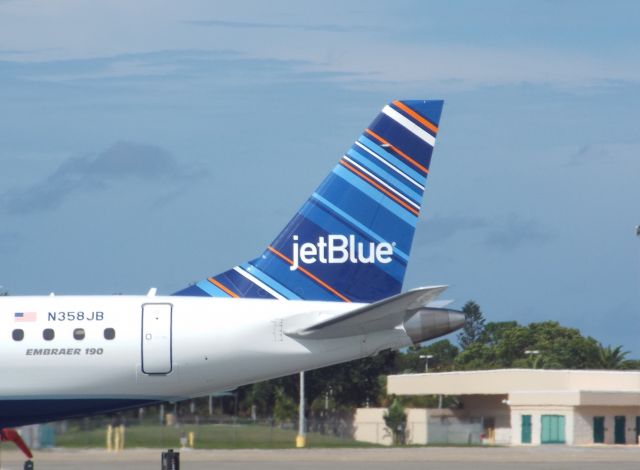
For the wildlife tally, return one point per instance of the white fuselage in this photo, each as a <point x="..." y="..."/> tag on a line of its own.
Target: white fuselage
<point x="183" y="347"/>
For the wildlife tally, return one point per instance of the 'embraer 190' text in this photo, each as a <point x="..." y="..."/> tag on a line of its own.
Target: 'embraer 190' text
<point x="339" y="249"/>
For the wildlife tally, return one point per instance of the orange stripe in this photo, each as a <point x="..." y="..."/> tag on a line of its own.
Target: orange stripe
<point x="415" y="115"/>
<point x="381" y="188"/>
<point x="219" y="285"/>
<point x="300" y="268"/>
<point x="397" y="150"/>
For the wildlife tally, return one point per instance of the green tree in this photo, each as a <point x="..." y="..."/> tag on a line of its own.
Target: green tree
<point x="494" y="332"/>
<point x="284" y="408"/>
<point x="444" y="353"/>
<point x="351" y="384"/>
<point x="262" y="395"/>
<point x="473" y="326"/>
<point x="630" y="364"/>
<point x="611" y="358"/>
<point x="476" y="356"/>
<point x="561" y="347"/>
<point x="503" y="345"/>
<point x="354" y="383"/>
<point x="396" y="420"/>
<point x="510" y="345"/>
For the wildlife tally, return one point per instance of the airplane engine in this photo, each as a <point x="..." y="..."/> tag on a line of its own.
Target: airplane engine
<point x="428" y="323"/>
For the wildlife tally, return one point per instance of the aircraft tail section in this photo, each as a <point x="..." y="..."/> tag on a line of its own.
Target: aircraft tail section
<point x="351" y="240"/>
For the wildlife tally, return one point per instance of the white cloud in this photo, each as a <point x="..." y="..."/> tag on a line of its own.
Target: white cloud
<point x="320" y="41"/>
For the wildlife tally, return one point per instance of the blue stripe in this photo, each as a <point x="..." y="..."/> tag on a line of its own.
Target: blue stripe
<point x="32" y="411"/>
<point x="241" y="286"/>
<point x="376" y="166"/>
<point x="367" y="211"/>
<point x="412" y="119"/>
<point x="358" y="225"/>
<point x="330" y="225"/>
<point x="356" y="281"/>
<point x="300" y="283"/>
<point x="272" y="283"/>
<point x="194" y="291"/>
<point x="428" y="109"/>
<point x="384" y="173"/>
<point x="393" y="160"/>
<point x="376" y="195"/>
<point x="212" y="290"/>
<point x="402" y="138"/>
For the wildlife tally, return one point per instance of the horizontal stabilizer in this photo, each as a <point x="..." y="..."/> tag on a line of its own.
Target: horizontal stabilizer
<point x="382" y="315"/>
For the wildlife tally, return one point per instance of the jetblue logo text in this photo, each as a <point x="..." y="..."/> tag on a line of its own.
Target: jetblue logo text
<point x="339" y="249"/>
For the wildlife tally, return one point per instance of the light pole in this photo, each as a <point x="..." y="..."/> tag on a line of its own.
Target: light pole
<point x="426" y="358"/>
<point x="301" y="439"/>
<point x="532" y="352"/>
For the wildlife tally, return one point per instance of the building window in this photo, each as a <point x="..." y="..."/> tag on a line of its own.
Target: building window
<point x="17" y="335"/>
<point x="78" y="334"/>
<point x="109" y="333"/>
<point x="48" y="334"/>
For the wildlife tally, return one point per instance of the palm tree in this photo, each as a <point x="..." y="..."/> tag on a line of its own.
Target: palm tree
<point x="611" y="358"/>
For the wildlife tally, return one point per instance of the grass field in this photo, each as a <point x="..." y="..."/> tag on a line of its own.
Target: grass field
<point x="207" y="436"/>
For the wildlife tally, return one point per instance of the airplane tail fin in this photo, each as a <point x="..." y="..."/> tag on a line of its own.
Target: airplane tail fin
<point x="352" y="238"/>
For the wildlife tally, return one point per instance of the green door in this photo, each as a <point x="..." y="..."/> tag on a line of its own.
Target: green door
<point x="598" y="429"/>
<point x="552" y="429"/>
<point x="526" y="429"/>
<point x="619" y="434"/>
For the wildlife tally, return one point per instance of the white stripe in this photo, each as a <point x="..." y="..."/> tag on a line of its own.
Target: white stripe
<point x="397" y="170"/>
<point x="403" y="121"/>
<point x="258" y="283"/>
<point x="364" y="170"/>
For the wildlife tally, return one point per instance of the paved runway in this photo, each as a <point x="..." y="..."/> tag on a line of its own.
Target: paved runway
<point x="432" y="458"/>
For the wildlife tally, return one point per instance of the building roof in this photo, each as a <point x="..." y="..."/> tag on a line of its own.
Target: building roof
<point x="528" y="386"/>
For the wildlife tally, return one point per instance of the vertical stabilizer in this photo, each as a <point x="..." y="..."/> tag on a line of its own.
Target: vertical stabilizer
<point x="351" y="240"/>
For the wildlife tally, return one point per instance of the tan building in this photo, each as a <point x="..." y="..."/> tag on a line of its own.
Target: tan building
<point x="424" y="426"/>
<point x="522" y="406"/>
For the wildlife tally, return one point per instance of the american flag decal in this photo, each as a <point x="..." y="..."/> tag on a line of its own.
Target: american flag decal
<point x="25" y="316"/>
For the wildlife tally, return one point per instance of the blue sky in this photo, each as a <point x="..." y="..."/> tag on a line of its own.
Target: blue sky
<point x="155" y="143"/>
